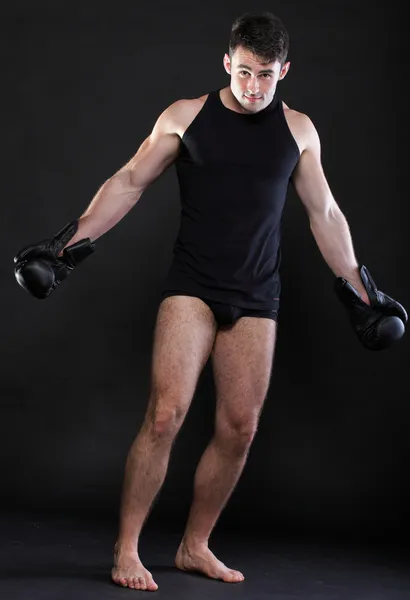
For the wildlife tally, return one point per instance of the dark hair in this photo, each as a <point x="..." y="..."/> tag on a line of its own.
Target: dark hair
<point x="263" y="34"/>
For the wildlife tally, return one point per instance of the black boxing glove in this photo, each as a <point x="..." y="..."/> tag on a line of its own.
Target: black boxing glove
<point x="39" y="269"/>
<point x="379" y="325"/>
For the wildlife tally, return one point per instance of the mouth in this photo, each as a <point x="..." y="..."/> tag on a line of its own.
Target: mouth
<point x="252" y="98"/>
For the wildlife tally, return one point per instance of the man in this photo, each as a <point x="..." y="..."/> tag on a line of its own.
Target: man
<point x="235" y="150"/>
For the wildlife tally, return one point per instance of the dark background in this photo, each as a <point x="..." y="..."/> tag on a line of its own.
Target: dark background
<point x="82" y="87"/>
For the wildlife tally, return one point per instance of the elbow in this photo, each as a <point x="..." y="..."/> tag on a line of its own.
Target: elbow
<point x="328" y="212"/>
<point x="126" y="183"/>
<point x="330" y="220"/>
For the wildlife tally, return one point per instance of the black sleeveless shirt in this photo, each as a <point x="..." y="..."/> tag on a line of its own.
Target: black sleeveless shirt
<point x="233" y="171"/>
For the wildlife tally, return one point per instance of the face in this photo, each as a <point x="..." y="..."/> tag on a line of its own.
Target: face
<point x="253" y="84"/>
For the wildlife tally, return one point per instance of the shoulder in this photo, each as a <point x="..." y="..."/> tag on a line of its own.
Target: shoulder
<point x="301" y="127"/>
<point x="298" y="119"/>
<point x="178" y="115"/>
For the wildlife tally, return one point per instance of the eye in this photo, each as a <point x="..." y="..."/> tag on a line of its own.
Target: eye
<point x="266" y="75"/>
<point x="243" y="72"/>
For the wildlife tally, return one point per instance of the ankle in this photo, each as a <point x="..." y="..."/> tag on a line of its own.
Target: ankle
<point x="193" y="541"/>
<point x="126" y="546"/>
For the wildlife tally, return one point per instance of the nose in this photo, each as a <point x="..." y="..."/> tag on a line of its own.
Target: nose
<point x="253" y="85"/>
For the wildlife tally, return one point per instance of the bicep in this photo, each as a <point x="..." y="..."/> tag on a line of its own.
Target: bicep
<point x="309" y="179"/>
<point x="158" y="151"/>
<point x="154" y="156"/>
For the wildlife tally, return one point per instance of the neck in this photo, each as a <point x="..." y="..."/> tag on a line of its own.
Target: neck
<point x="232" y="103"/>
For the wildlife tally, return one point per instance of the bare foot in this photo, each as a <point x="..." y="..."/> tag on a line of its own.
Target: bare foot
<point x="129" y="571"/>
<point x="200" y="558"/>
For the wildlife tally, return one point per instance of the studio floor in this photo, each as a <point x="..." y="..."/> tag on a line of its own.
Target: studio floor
<point x="64" y="559"/>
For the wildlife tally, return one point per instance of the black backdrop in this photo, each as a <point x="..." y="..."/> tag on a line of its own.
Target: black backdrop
<point x="83" y="86"/>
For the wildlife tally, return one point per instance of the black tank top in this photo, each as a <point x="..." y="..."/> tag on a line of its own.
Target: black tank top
<point x="233" y="171"/>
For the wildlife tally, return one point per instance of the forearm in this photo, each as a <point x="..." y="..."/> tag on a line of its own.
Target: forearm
<point x="332" y="234"/>
<point x="110" y="204"/>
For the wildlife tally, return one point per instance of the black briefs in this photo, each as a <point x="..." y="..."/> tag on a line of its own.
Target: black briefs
<point x="226" y="315"/>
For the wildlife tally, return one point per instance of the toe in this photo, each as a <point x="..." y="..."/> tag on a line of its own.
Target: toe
<point x="151" y="585"/>
<point x="234" y="576"/>
<point x="135" y="583"/>
<point x="142" y="582"/>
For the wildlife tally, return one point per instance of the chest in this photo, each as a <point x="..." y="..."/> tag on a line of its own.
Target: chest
<point x="254" y="145"/>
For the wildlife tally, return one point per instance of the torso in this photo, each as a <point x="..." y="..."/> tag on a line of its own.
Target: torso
<point x="189" y="109"/>
<point x="232" y="196"/>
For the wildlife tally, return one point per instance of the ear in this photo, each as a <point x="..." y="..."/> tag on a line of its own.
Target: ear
<point x="227" y="64"/>
<point x="284" y="70"/>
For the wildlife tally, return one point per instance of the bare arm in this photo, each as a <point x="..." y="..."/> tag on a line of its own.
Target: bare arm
<point x="327" y="222"/>
<point x="122" y="191"/>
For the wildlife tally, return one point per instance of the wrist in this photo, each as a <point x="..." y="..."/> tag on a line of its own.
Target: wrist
<point x="355" y="280"/>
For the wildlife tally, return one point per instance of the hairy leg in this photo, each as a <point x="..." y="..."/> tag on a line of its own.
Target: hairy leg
<point x="242" y="362"/>
<point x="183" y="339"/>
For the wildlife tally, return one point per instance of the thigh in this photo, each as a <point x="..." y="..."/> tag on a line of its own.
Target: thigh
<point x="183" y="338"/>
<point x="242" y="360"/>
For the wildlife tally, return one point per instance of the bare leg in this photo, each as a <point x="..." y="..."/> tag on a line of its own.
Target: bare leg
<point x="242" y="361"/>
<point x="215" y="479"/>
<point x="145" y="472"/>
<point x="183" y="340"/>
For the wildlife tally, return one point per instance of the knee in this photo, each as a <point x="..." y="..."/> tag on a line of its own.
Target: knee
<point x="166" y="420"/>
<point x="237" y="436"/>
